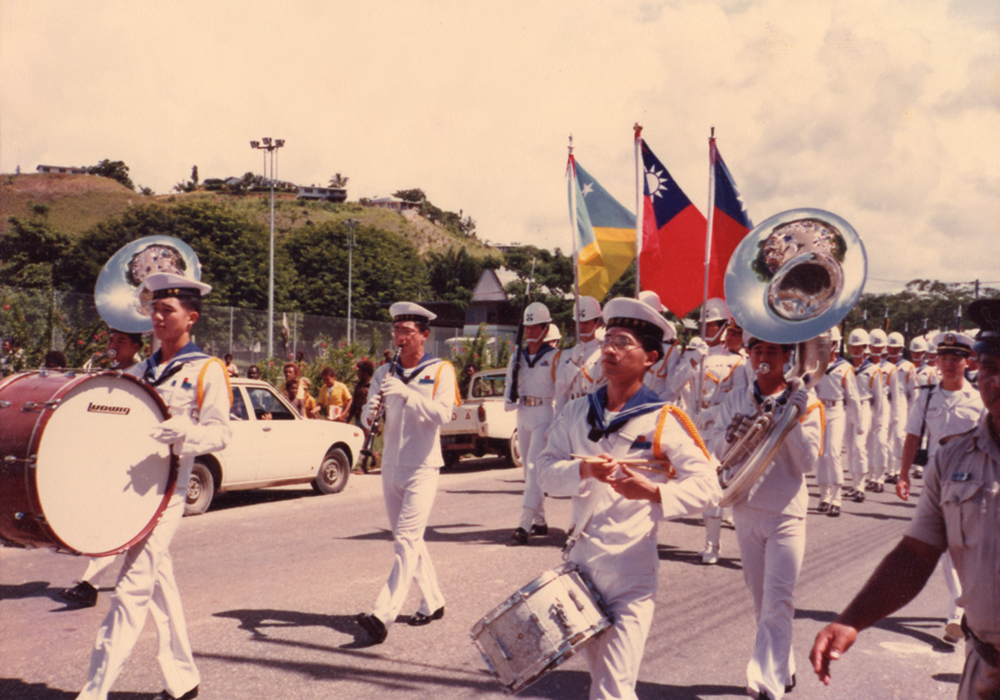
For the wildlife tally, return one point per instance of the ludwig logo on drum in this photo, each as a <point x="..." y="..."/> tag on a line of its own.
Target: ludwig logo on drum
<point x="117" y="410"/>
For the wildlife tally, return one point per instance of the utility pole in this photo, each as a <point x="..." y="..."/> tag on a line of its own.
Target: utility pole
<point x="352" y="224"/>
<point x="269" y="146"/>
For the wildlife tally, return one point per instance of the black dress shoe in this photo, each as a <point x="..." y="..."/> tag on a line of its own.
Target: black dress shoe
<point x="520" y="536"/>
<point x="858" y="497"/>
<point x="189" y="695"/>
<point x="373" y="626"/>
<point x="834" y="512"/>
<point x="878" y="488"/>
<point x="823" y="507"/>
<point x="419" y="619"/>
<point x="537" y="529"/>
<point x="788" y="688"/>
<point x="82" y="594"/>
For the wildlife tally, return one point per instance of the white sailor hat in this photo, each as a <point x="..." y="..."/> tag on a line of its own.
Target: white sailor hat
<point x="536" y="314"/>
<point x="634" y="315"/>
<point x="716" y="310"/>
<point x="918" y="344"/>
<point x="951" y="343"/>
<point x="698" y="343"/>
<point x="835" y="336"/>
<point x="896" y="340"/>
<point x="877" y="338"/>
<point x="168" y="284"/>
<point x="589" y="308"/>
<point x="859" y="336"/>
<point x="552" y="334"/>
<point x="408" y="311"/>
<point x="650" y="297"/>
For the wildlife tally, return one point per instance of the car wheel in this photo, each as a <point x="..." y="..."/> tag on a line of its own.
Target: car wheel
<point x="333" y="473"/>
<point x="450" y="459"/>
<point x="201" y="489"/>
<point x="514" y="452"/>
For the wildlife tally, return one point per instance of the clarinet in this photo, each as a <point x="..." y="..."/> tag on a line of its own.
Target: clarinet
<point x="367" y="456"/>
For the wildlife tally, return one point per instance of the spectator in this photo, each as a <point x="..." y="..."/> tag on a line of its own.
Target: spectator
<point x="302" y="401"/>
<point x="352" y="414"/>
<point x="253" y="372"/>
<point x="292" y="371"/>
<point x="231" y="368"/>
<point x="54" y="359"/>
<point x="334" y="396"/>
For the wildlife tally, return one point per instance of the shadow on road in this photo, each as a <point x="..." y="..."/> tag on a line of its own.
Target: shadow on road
<point x="906" y="626"/>
<point x="575" y="684"/>
<point x="236" y="499"/>
<point x="469" y="535"/>
<point x="683" y="556"/>
<point x="258" y="621"/>
<point x="15" y="689"/>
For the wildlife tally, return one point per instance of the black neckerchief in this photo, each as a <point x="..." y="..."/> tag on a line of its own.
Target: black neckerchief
<point x="641" y="402"/>
<point x="864" y="365"/>
<point x="187" y="353"/>
<point x="426" y="361"/>
<point x="542" y="352"/>
<point x="837" y="363"/>
<point x="781" y="399"/>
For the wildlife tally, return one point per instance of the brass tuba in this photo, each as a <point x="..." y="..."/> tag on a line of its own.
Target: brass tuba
<point x="792" y="278"/>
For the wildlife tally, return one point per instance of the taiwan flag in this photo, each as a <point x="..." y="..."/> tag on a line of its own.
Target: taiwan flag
<point x="672" y="258"/>
<point x="730" y="223"/>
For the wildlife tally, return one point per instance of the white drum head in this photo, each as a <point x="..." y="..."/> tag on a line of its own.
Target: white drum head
<point x="101" y="478"/>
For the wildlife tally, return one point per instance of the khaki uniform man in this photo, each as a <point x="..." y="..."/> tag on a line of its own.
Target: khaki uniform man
<point x="958" y="512"/>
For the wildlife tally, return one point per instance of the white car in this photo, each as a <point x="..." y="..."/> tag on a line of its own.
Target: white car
<point x="481" y="425"/>
<point x="272" y="445"/>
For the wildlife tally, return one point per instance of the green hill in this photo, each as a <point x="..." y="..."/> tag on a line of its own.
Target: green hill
<point x="75" y="203"/>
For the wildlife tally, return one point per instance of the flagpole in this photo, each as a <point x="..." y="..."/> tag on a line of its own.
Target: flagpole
<point x="708" y="259"/>
<point x="571" y="172"/>
<point x="639" y="208"/>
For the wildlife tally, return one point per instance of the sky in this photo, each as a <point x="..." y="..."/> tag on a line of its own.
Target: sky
<point x="886" y="112"/>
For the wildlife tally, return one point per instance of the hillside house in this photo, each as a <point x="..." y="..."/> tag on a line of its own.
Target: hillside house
<point x="62" y="169"/>
<point x="328" y="194"/>
<point x="394" y="204"/>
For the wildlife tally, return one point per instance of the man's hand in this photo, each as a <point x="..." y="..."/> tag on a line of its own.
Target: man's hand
<point x="599" y="467"/>
<point x="831" y="643"/>
<point x="635" y="487"/>
<point x="171" y="430"/>
<point x="800" y="400"/>
<point x="903" y="487"/>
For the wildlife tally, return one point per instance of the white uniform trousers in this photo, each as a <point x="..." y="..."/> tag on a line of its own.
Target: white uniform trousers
<point x="829" y="467"/>
<point x="772" y="546"/>
<point x="409" y="496"/>
<point x="532" y="424"/>
<point x="146" y="584"/>
<point x="857" y="448"/>
<point x="95" y="567"/>
<point x="878" y="449"/>
<point x="614" y="657"/>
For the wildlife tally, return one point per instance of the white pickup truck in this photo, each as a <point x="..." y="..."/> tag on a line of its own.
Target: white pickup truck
<point x="480" y="426"/>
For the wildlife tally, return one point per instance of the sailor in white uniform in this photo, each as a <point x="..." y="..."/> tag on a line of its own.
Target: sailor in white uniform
<point x="532" y="396"/>
<point x="869" y="380"/>
<point x="578" y="369"/>
<point x="615" y="544"/>
<point x="419" y="398"/>
<point x="838" y="390"/>
<point x="666" y="377"/>
<point x="904" y="381"/>
<point x="770" y="520"/>
<point x="892" y="401"/>
<point x="195" y="387"/>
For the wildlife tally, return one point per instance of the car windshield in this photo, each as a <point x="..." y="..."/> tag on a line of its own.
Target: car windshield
<point x="267" y="406"/>
<point x="238" y="411"/>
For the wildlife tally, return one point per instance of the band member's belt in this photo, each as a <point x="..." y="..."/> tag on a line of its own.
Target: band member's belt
<point x="832" y="402"/>
<point x="868" y="400"/>
<point x="987" y="652"/>
<point x="532" y="401"/>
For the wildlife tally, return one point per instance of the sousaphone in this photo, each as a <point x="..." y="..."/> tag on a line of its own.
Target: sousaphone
<point x="792" y="278"/>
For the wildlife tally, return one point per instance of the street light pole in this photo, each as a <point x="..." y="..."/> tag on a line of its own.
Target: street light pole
<point x="351" y="225"/>
<point x="270" y="146"/>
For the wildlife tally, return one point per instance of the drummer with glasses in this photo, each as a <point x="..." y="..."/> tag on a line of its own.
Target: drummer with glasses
<point x="642" y="462"/>
<point x="195" y="388"/>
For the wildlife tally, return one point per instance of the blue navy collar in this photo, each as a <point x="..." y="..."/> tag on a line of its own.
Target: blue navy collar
<point x="188" y="353"/>
<point x="641" y="402"/>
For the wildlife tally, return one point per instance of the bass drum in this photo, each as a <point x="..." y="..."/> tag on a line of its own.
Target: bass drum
<point x="78" y="469"/>
<point x="539" y="627"/>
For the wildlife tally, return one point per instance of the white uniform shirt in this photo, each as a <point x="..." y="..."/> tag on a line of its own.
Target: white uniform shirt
<point x="412" y="432"/>
<point x="927" y="375"/>
<point x="893" y="394"/>
<point x="906" y="373"/>
<point x="536" y="377"/>
<point x="949" y="413"/>
<point x="839" y="384"/>
<point x="666" y="376"/>
<point x="578" y="371"/>
<point x="621" y="534"/>
<point x="783" y="489"/>
<point x="869" y="378"/>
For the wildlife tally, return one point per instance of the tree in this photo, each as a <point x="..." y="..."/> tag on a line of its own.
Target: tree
<point x="922" y="305"/>
<point x="194" y="176"/>
<point x="116" y="170"/>
<point x="415" y="195"/>
<point x="30" y="250"/>
<point x="453" y="275"/>
<point x="339" y="180"/>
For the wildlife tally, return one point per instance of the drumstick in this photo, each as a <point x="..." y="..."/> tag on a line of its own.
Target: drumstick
<point x="662" y="466"/>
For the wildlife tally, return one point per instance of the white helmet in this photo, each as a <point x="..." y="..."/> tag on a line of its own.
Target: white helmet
<point x="896" y="340"/>
<point x="877" y="338"/>
<point x="716" y="310"/>
<point x="835" y="336"/>
<point x="918" y="344"/>
<point x="553" y="334"/>
<point x="859" y="336"/>
<point x="590" y="309"/>
<point x="536" y="314"/>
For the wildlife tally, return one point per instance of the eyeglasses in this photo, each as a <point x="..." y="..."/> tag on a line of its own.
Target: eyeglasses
<point x="618" y="342"/>
<point x="404" y="332"/>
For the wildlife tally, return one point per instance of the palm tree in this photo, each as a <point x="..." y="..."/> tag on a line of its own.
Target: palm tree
<point x="339" y="180"/>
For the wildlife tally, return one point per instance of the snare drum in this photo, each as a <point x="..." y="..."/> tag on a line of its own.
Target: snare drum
<point x="540" y="626"/>
<point x="78" y="468"/>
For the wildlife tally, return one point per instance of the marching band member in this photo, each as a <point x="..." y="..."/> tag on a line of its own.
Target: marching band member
<point x="941" y="411"/>
<point x="615" y="544"/>
<point x="958" y="513"/>
<point x="578" y="369"/>
<point x="838" y="390"/>
<point x="770" y="522"/>
<point x="121" y="351"/>
<point x="195" y="387"/>
<point x="905" y="384"/>
<point x="665" y="377"/>
<point x="918" y="348"/>
<point x="532" y="398"/>
<point x="891" y="402"/>
<point x="869" y="380"/>
<point x="928" y="373"/>
<point x="419" y="398"/>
